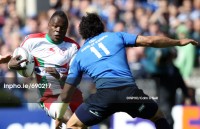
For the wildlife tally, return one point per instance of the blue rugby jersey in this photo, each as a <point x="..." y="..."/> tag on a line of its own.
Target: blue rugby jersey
<point x="103" y="58"/>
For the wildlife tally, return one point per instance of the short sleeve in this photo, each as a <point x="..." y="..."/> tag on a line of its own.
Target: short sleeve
<point x="129" y="39"/>
<point x="26" y="44"/>
<point x="74" y="73"/>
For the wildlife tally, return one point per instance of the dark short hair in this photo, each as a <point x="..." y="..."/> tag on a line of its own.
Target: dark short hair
<point x="90" y="26"/>
<point x="61" y="14"/>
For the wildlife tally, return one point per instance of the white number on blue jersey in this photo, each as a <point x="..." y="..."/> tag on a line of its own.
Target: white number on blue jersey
<point x="97" y="53"/>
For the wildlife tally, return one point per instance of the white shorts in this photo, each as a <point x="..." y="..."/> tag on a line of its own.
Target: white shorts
<point x="50" y="105"/>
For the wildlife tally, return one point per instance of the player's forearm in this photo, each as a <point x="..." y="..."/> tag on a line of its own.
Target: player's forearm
<point x="160" y="42"/>
<point x="5" y="59"/>
<point x="67" y="93"/>
<point x="64" y="99"/>
<point x="61" y="108"/>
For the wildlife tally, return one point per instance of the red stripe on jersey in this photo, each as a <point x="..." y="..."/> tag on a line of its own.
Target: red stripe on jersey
<point x="66" y="39"/>
<point x="37" y="35"/>
<point x="47" y="92"/>
<point x="36" y="62"/>
<point x="39" y="78"/>
<point x="75" y="102"/>
<point x="65" y="65"/>
<point x="49" y="100"/>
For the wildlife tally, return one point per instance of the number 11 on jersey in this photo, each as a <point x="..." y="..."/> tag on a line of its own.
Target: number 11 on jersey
<point x="102" y="47"/>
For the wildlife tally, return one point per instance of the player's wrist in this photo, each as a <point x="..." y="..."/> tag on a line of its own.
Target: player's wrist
<point x="61" y="108"/>
<point x="62" y="77"/>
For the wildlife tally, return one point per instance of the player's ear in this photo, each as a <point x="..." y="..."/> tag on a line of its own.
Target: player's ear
<point x="49" y="24"/>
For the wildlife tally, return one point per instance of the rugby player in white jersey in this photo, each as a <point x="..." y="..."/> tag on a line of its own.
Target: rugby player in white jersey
<point x="52" y="53"/>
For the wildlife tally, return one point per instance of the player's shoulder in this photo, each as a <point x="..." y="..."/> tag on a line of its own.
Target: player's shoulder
<point x="111" y="34"/>
<point x="35" y="35"/>
<point x="31" y="37"/>
<point x="69" y="40"/>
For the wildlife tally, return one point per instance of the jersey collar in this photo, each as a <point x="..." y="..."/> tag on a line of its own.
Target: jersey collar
<point x="88" y="39"/>
<point x="50" y="40"/>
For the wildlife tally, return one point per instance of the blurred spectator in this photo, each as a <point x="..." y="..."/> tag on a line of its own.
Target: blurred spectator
<point x="4" y="50"/>
<point x="66" y="5"/>
<point x="83" y="6"/>
<point x="196" y="36"/>
<point x="185" y="10"/>
<point x="173" y="20"/>
<point x="112" y="17"/>
<point x="191" y="94"/>
<point x="130" y="22"/>
<point x="129" y="5"/>
<point x="55" y="3"/>
<point x="15" y="40"/>
<point x="161" y="14"/>
<point x="31" y="26"/>
<point x="43" y="20"/>
<point x="195" y="14"/>
<point x="143" y="24"/>
<point x="185" y="55"/>
<point x="119" y="26"/>
<point x="134" y="57"/>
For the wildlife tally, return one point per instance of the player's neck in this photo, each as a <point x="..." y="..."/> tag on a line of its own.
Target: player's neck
<point x="50" y="40"/>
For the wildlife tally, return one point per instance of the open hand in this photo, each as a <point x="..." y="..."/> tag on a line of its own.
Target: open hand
<point x="53" y="72"/>
<point x="184" y="42"/>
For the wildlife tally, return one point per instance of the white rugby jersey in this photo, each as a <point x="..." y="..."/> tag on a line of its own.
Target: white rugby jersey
<point x="47" y="53"/>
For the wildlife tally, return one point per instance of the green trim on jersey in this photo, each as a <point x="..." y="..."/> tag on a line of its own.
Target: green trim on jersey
<point x="50" y="40"/>
<point x="43" y="81"/>
<point x="58" y="66"/>
<point x="40" y="61"/>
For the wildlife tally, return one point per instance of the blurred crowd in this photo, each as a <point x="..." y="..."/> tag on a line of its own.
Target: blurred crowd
<point x="171" y="68"/>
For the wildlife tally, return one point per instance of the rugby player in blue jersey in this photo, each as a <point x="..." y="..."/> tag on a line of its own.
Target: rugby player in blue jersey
<point x="103" y="58"/>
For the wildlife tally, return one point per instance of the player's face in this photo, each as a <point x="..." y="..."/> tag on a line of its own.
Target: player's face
<point x="57" y="28"/>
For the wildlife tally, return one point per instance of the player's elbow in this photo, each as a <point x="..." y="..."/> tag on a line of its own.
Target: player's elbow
<point x="145" y="41"/>
<point x="152" y="41"/>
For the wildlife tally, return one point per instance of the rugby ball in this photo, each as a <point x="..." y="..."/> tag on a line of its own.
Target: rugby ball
<point x="29" y="66"/>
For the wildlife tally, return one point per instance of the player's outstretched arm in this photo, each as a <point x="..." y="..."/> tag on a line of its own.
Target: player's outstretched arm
<point x="161" y="41"/>
<point x="5" y="59"/>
